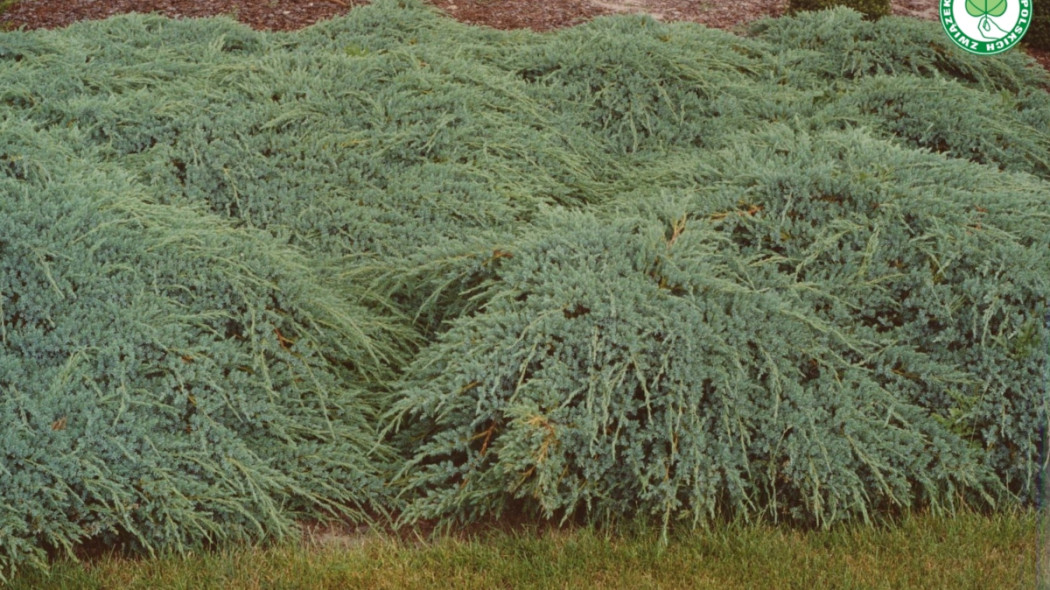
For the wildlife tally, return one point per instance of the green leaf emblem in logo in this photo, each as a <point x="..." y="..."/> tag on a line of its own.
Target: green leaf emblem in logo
<point x="986" y="7"/>
<point x="986" y="27"/>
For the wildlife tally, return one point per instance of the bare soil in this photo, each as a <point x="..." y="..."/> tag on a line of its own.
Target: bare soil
<point x="502" y="14"/>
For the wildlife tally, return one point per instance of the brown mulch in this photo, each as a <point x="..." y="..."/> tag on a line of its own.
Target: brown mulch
<point x="521" y="14"/>
<point x="502" y="14"/>
<point x="540" y="15"/>
<point x="280" y="15"/>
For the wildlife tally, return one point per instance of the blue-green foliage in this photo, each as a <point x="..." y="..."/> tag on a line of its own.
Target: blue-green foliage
<point x="800" y="341"/>
<point x="947" y="117"/>
<point x="836" y="46"/>
<point x="167" y="379"/>
<point x="626" y="269"/>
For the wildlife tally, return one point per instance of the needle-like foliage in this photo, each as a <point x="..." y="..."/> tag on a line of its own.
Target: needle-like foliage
<point x="396" y="263"/>
<point x="166" y="379"/>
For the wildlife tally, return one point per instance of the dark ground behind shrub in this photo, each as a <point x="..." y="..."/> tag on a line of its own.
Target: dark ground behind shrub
<point x="869" y="8"/>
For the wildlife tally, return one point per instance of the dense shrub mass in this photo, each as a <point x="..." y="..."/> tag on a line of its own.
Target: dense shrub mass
<point x="686" y="355"/>
<point x="168" y="379"/>
<point x="629" y="269"/>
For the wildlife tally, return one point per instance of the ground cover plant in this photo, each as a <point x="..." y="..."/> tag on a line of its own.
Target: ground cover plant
<point x="393" y="264"/>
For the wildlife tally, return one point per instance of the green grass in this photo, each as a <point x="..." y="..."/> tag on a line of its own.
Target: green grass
<point x="966" y="551"/>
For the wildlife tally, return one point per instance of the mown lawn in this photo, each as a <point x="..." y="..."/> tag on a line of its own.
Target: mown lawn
<point x="966" y="551"/>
